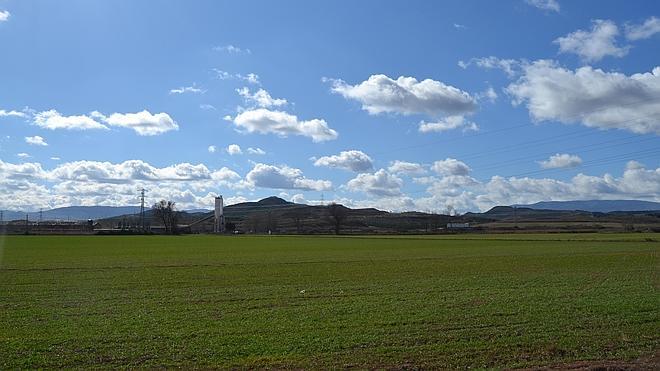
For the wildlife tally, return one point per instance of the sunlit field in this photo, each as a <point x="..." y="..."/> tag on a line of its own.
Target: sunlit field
<point x="319" y="302"/>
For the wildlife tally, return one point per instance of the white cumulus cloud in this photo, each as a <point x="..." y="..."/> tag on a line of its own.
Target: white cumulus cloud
<point x="256" y="151"/>
<point x="406" y="168"/>
<point x="381" y="183"/>
<point x="488" y="94"/>
<point x="448" y="123"/>
<point x="27" y="170"/>
<point x="187" y="89"/>
<point x="552" y="5"/>
<point x="462" y="192"/>
<point x="128" y="171"/>
<point x="4" y="15"/>
<point x="260" y="98"/>
<point x="283" y="177"/>
<point x="283" y="124"/>
<point x="212" y="149"/>
<point x="12" y="113"/>
<point x="251" y="78"/>
<point x="298" y="198"/>
<point x="207" y="107"/>
<point x="36" y="140"/>
<point x="636" y="183"/>
<point x="450" y="166"/>
<point x="143" y="123"/>
<point x="224" y="174"/>
<point x="232" y="49"/>
<point x="645" y="30"/>
<point x="234" y="149"/>
<point x="53" y="120"/>
<point x="352" y="160"/>
<point x="595" y="44"/>
<point x="28" y="185"/>
<point x="406" y="95"/>
<point x="509" y="66"/>
<point x="590" y="96"/>
<point x="560" y="161"/>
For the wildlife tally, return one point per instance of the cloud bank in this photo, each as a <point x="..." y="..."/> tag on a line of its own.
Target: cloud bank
<point x="593" y="97"/>
<point x="282" y="124"/>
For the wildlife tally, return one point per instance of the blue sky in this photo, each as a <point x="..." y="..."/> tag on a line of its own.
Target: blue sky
<point x="435" y="106"/>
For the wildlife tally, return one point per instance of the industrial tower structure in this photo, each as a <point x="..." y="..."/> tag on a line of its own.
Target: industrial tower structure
<point x="219" y="222"/>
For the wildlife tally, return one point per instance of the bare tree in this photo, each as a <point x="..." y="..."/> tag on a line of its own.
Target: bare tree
<point x="449" y="210"/>
<point x="255" y="222"/>
<point x="298" y="217"/>
<point x="166" y="212"/>
<point x="338" y="214"/>
<point x="270" y="222"/>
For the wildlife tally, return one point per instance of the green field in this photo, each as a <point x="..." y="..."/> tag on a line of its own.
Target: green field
<point x="328" y="302"/>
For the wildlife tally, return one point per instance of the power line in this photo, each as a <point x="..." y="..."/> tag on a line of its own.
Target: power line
<point x="602" y="161"/>
<point x="551" y="139"/>
<point x="579" y="133"/>
<point x="527" y="158"/>
<point x="518" y="146"/>
<point x="570" y="118"/>
<point x="597" y="162"/>
<point x="447" y="139"/>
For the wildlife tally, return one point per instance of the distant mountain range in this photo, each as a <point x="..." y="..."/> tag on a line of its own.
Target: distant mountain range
<point x="595" y="206"/>
<point x="102" y="212"/>
<point x="74" y="213"/>
<point x="80" y="213"/>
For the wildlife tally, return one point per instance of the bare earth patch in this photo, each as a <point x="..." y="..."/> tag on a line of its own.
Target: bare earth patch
<point x="645" y="363"/>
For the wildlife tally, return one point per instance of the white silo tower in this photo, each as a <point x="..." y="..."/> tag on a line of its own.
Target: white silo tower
<point x="219" y="225"/>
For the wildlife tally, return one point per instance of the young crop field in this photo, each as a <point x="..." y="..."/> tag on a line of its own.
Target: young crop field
<point x="501" y="301"/>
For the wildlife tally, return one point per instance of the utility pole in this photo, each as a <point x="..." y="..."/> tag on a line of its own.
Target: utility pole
<point x="515" y="217"/>
<point x="41" y="214"/>
<point x="142" y="209"/>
